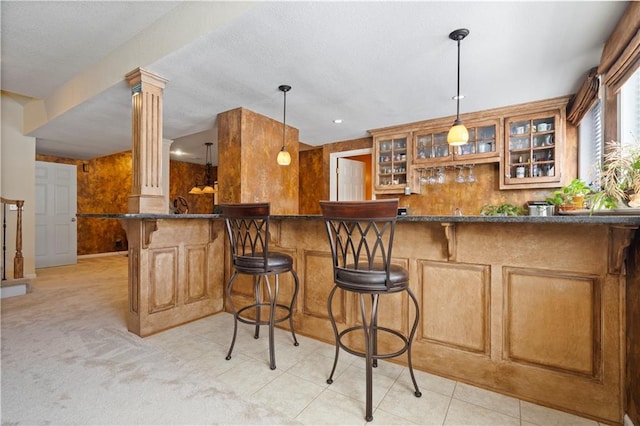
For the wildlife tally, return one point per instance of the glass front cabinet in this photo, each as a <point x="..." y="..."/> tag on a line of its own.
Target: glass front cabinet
<point x="431" y="147"/>
<point x="392" y="163"/>
<point x="533" y="150"/>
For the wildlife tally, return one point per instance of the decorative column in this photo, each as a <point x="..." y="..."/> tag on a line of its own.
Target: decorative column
<point x="147" y="148"/>
<point x="166" y="159"/>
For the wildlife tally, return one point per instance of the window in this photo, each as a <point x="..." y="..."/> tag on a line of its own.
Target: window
<point x="591" y="143"/>
<point x="629" y="107"/>
<point x="591" y="129"/>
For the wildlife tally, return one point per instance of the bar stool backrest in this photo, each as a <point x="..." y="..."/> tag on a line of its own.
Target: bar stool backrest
<point x="248" y="231"/>
<point x="361" y="239"/>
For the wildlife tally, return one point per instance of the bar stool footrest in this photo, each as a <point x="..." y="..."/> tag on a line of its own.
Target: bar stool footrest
<point x="402" y="337"/>
<point x="251" y="321"/>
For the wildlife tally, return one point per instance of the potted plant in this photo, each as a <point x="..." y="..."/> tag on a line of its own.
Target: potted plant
<point x="504" y="209"/>
<point x="570" y="197"/>
<point x="619" y="177"/>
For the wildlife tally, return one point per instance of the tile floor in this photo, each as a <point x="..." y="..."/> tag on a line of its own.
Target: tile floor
<point x="298" y="388"/>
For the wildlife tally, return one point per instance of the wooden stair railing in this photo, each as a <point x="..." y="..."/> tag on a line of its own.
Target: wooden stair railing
<point x="18" y="260"/>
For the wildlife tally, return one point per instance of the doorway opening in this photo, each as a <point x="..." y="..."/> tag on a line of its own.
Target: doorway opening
<point x="350" y="176"/>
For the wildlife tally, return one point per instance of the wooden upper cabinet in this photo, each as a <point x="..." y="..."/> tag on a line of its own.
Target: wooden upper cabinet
<point x="483" y="145"/>
<point x="528" y="141"/>
<point x="431" y="147"/>
<point x="392" y="163"/>
<point x="533" y="150"/>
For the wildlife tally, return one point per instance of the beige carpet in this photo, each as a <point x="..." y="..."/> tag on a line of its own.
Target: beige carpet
<point x="67" y="358"/>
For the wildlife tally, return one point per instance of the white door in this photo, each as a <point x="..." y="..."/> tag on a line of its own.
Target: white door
<point x="56" y="226"/>
<point x="350" y="180"/>
<point x="333" y="166"/>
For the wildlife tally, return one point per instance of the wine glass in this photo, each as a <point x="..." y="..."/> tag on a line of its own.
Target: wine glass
<point x="423" y="180"/>
<point x="460" y="177"/>
<point x="432" y="178"/>
<point x="471" y="178"/>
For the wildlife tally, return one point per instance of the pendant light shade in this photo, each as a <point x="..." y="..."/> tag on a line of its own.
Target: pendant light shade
<point x="458" y="134"/>
<point x="284" y="158"/>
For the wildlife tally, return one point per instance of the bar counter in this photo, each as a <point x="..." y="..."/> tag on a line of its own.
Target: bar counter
<point x="528" y="306"/>
<point x="583" y="218"/>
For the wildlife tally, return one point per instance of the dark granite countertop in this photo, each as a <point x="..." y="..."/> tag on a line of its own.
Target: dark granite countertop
<point x="616" y="219"/>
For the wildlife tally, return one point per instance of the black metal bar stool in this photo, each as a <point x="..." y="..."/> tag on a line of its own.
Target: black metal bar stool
<point x="361" y="239"/>
<point x="248" y="231"/>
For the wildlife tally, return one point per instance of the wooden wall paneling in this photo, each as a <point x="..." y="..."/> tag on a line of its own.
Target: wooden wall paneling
<point x="632" y="343"/>
<point x="394" y="308"/>
<point x="196" y="272"/>
<point x="318" y="278"/>
<point x="553" y="320"/>
<point x="569" y="262"/>
<point x="456" y="305"/>
<point x="163" y="279"/>
<point x="175" y="273"/>
<point x="570" y="248"/>
<point x="134" y="289"/>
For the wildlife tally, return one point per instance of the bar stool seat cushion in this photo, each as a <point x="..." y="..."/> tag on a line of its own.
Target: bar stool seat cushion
<point x="350" y="278"/>
<point x="255" y="264"/>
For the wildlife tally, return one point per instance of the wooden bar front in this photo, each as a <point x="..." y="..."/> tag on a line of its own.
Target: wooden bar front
<point x="528" y="307"/>
<point x="176" y="271"/>
<point x="531" y="310"/>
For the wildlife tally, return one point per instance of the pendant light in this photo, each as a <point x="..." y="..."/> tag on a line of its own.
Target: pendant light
<point x="458" y="134"/>
<point x="208" y="184"/>
<point x="284" y="158"/>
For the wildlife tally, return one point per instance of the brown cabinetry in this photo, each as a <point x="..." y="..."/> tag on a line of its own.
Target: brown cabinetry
<point x="533" y="150"/>
<point x="528" y="141"/>
<point x="431" y="147"/>
<point x="392" y="161"/>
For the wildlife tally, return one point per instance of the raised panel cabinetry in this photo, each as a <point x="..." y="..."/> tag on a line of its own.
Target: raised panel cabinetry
<point x="392" y="161"/>
<point x="533" y="150"/>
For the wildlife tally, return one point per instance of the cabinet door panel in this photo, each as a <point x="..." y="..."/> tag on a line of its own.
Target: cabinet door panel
<point x="455" y="301"/>
<point x="483" y="143"/>
<point x="393" y="158"/>
<point x="533" y="150"/>
<point x="562" y="336"/>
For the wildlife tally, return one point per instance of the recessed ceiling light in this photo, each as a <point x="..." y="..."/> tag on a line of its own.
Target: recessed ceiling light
<point x="337" y="120"/>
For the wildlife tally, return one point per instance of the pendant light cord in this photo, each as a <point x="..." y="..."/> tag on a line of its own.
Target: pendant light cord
<point x="284" y="89"/>
<point x="284" y="120"/>
<point x="458" y="35"/>
<point x="458" y="94"/>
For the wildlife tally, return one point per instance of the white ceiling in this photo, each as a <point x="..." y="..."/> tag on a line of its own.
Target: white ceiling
<point x="371" y="64"/>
